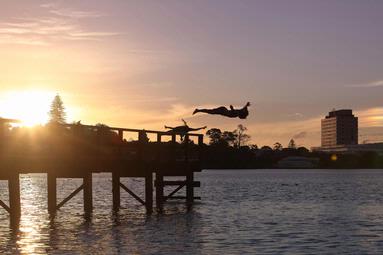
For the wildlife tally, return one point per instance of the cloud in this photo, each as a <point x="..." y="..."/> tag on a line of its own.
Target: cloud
<point x="296" y="115"/>
<point x="372" y="117"/>
<point x="58" y="25"/>
<point x="373" y="84"/>
<point x="76" y="14"/>
<point x="70" y="13"/>
<point x="300" y="135"/>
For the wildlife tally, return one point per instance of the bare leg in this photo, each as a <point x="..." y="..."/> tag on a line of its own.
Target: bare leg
<point x="220" y="110"/>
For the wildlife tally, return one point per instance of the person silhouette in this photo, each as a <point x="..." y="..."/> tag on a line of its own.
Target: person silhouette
<point x="182" y="130"/>
<point x="232" y="113"/>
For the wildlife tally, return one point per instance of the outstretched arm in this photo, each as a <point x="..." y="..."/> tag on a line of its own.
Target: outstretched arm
<point x="166" y="127"/>
<point x="184" y="122"/>
<point x="196" y="129"/>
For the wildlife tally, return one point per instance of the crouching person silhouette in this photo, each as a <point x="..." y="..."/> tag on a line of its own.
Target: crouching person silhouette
<point x="232" y="113"/>
<point x="182" y="130"/>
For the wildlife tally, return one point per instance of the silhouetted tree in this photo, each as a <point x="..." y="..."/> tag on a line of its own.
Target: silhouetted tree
<point x="266" y="148"/>
<point x="229" y="137"/>
<point x="57" y="112"/>
<point x="241" y="137"/>
<point x="254" y="147"/>
<point x="278" y="146"/>
<point x="215" y="135"/>
<point x="292" y="144"/>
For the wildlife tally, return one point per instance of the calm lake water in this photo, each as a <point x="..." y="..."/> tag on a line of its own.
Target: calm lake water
<point x="241" y="212"/>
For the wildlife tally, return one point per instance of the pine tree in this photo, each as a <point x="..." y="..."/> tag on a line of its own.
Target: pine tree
<point x="57" y="112"/>
<point x="292" y="144"/>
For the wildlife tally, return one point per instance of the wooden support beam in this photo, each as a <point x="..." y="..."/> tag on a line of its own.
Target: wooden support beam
<point x="149" y="192"/>
<point x="74" y="193"/>
<point x="14" y="198"/>
<point x="177" y="183"/>
<point x="116" y="191"/>
<point x="52" y="193"/>
<point x="159" y="191"/>
<point x="181" y="197"/>
<point x="5" y="206"/>
<point x="88" y="198"/>
<point x="176" y="190"/>
<point x="132" y="194"/>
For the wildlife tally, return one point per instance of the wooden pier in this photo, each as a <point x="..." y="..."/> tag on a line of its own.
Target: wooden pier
<point x="78" y="151"/>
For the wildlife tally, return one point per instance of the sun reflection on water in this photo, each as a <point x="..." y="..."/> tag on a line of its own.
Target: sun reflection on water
<point x="34" y="223"/>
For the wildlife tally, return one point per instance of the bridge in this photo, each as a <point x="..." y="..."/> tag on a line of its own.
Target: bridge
<point x="78" y="151"/>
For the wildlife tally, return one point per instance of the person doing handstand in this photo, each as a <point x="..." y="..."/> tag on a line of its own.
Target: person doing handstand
<point x="232" y="113"/>
<point x="182" y="130"/>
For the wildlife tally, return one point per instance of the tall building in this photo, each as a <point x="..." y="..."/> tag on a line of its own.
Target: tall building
<point x="339" y="128"/>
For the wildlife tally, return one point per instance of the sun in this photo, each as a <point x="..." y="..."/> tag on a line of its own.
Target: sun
<point x="29" y="106"/>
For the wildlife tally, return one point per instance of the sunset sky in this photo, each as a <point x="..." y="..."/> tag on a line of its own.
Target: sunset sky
<point x="144" y="64"/>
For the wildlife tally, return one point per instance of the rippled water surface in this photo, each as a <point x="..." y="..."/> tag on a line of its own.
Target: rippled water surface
<point x="241" y="212"/>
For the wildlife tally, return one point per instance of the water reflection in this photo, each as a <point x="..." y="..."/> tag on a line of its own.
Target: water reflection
<point x="268" y="211"/>
<point x="131" y="230"/>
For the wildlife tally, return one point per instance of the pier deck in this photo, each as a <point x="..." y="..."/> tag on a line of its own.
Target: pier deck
<point x="78" y="151"/>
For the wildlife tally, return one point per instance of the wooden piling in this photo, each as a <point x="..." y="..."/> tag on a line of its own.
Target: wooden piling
<point x="121" y="135"/>
<point x="189" y="188"/>
<point x="52" y="192"/>
<point x="159" y="191"/>
<point x="149" y="192"/>
<point x="116" y="191"/>
<point x="186" y="149"/>
<point x="14" y="198"/>
<point x="88" y="200"/>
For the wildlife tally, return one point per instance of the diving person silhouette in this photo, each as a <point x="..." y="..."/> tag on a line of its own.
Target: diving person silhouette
<point x="222" y="110"/>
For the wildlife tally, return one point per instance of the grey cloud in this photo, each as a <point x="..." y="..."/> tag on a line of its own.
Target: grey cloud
<point x="373" y="84"/>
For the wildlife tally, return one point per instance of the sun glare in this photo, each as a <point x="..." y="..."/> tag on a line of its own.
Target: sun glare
<point x="30" y="107"/>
